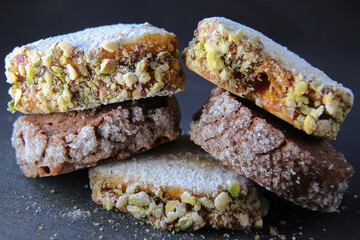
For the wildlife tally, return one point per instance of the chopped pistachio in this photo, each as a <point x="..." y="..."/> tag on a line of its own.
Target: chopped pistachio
<point x="31" y="72"/>
<point x="232" y="83"/>
<point x="138" y="212"/>
<point x="66" y="48"/>
<point x="17" y="97"/>
<point x="47" y="60"/>
<point x="171" y="206"/>
<point x="11" y="77"/>
<point x="118" y="192"/>
<point x="244" y="219"/>
<point x="121" y="202"/>
<point x="304" y="109"/>
<point x="302" y="99"/>
<point x="144" y="78"/>
<point x="83" y="70"/>
<point x="233" y="187"/>
<point x="57" y="69"/>
<point x="72" y="72"/>
<point x="157" y="86"/>
<point x="171" y="216"/>
<point x="309" y="124"/>
<point x="332" y="107"/>
<point x="136" y="94"/>
<point x="142" y="65"/>
<point x="237" y="36"/>
<point x="11" y="106"/>
<point x="222" y="201"/>
<point x="108" y="203"/>
<point x="197" y="207"/>
<point x="183" y="223"/>
<point x="243" y="193"/>
<point x="301" y="88"/>
<point x="158" y="76"/>
<point x="63" y="60"/>
<point x="129" y="79"/>
<point x="111" y="46"/>
<point x="214" y="63"/>
<point x="258" y="223"/>
<point x="206" y="202"/>
<point x="316" y="113"/>
<point x="187" y="198"/>
<point x="108" y="66"/>
<point x="140" y="199"/>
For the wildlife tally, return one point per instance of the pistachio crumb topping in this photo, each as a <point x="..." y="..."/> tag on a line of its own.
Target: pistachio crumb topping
<point x="187" y="198"/>
<point x="233" y="187"/>
<point x="240" y="62"/>
<point x="222" y="201"/>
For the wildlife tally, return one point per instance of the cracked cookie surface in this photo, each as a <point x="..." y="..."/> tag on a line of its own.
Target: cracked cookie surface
<point x="301" y="168"/>
<point x="57" y="143"/>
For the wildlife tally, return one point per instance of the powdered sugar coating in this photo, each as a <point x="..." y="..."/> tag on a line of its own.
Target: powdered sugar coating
<point x="288" y="59"/>
<point x="180" y="164"/>
<point x="93" y="38"/>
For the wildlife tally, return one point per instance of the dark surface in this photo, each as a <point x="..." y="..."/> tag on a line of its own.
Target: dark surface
<point x="326" y="33"/>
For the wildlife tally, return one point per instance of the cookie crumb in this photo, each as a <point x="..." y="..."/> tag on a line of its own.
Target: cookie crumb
<point x="282" y="236"/>
<point x="273" y="230"/>
<point x="41" y="227"/>
<point x="256" y="237"/>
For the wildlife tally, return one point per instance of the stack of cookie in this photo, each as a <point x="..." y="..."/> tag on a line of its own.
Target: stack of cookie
<point x="96" y="95"/>
<point x="105" y="93"/>
<point x="252" y="69"/>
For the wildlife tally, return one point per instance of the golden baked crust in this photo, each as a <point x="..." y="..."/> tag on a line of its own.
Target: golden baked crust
<point x="177" y="187"/>
<point x="95" y="66"/>
<point x="250" y="65"/>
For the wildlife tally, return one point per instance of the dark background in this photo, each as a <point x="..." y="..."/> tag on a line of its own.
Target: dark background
<point x="325" y="33"/>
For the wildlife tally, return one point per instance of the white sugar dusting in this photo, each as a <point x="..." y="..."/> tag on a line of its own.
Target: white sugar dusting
<point x="92" y="38"/>
<point x="288" y="59"/>
<point x="178" y="164"/>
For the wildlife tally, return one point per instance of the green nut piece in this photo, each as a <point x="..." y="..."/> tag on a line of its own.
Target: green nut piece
<point x="121" y="202"/>
<point x="187" y="198"/>
<point x="243" y="193"/>
<point x="233" y="187"/>
<point x="11" y="106"/>
<point x="183" y="223"/>
<point x="258" y="223"/>
<point x="108" y="66"/>
<point x="206" y="203"/>
<point x="222" y="201"/>
<point x="138" y="212"/>
<point x="140" y="199"/>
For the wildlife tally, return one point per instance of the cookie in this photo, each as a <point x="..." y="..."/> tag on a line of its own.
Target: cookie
<point x="57" y="143"/>
<point x="301" y="168"/>
<point x="93" y="67"/>
<point x="178" y="186"/>
<point x="250" y="65"/>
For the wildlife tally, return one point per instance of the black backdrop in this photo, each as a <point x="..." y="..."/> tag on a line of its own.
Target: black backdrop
<point x="325" y="33"/>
